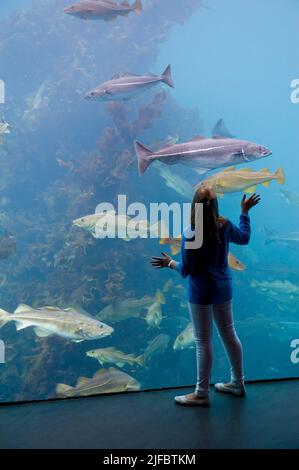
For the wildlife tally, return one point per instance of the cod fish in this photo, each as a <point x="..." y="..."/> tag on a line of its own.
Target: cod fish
<point x="175" y="248"/>
<point x="4" y="129"/>
<point x="276" y="287"/>
<point x="154" y="312"/>
<point x="126" y="86"/>
<point x="112" y="225"/>
<point x="102" y="9"/>
<point x="175" y="182"/>
<point x="292" y="198"/>
<point x="203" y="154"/>
<point x="125" y="309"/>
<point x="246" y="180"/>
<point x="109" y="380"/>
<point x="113" y="356"/>
<point x="291" y="239"/>
<point x="67" y="323"/>
<point x="185" y="340"/>
<point x="155" y="347"/>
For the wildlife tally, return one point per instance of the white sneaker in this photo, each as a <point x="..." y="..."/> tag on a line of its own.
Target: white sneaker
<point x="192" y="400"/>
<point x="237" y="390"/>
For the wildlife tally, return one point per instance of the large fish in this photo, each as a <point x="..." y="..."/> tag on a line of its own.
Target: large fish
<point x="291" y="239"/>
<point x="125" y="309"/>
<point x="276" y="287"/>
<point x="291" y="197"/>
<point x="203" y="154"/>
<point x="154" y="313"/>
<point x="185" y="340"/>
<point x="176" y="182"/>
<point x="113" y="356"/>
<point x="102" y="9"/>
<point x="112" y="225"/>
<point x="109" y="380"/>
<point x="126" y="86"/>
<point x="67" y="323"/>
<point x="232" y="180"/>
<point x="155" y="347"/>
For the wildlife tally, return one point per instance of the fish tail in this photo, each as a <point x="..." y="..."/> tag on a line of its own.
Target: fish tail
<point x="63" y="389"/>
<point x="143" y="155"/>
<point x="140" y="360"/>
<point x="159" y="297"/>
<point x="280" y="176"/>
<point x="4" y="317"/>
<point x="137" y="7"/>
<point x="166" y="76"/>
<point x="269" y="236"/>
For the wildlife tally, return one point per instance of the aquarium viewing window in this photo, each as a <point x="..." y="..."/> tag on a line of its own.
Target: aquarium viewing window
<point x="110" y="118"/>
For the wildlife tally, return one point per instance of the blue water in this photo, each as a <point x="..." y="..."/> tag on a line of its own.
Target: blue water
<point x="233" y="60"/>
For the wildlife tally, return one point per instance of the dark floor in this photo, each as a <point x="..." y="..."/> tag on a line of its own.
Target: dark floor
<point x="267" y="418"/>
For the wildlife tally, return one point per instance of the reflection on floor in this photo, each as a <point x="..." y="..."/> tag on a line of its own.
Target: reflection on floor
<point x="267" y="418"/>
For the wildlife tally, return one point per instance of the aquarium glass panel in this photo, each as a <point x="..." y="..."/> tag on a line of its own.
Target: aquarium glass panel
<point x="111" y="114"/>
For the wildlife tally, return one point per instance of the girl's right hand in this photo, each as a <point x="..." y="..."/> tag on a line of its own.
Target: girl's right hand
<point x="158" y="262"/>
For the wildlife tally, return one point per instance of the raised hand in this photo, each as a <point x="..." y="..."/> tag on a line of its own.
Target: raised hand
<point x="158" y="262"/>
<point x="247" y="204"/>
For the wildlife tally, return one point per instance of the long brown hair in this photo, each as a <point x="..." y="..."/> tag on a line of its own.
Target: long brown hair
<point x="210" y="213"/>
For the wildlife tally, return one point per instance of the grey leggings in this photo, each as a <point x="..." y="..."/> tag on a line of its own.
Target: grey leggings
<point x="202" y="318"/>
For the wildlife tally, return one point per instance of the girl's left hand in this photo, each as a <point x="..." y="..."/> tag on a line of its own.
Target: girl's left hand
<point x="158" y="262"/>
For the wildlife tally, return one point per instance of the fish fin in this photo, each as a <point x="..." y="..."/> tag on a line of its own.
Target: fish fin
<point x="175" y="250"/>
<point x="120" y="364"/>
<point x="82" y="381"/>
<point x="229" y="168"/>
<point x="164" y="241"/>
<point x="62" y="389"/>
<point x="4" y="317"/>
<point x="197" y="137"/>
<point x="140" y="360"/>
<point x="250" y="170"/>
<point x="125" y="3"/>
<point x="21" y="325"/>
<point x="40" y="332"/>
<point x="166" y="76"/>
<point x="99" y="373"/>
<point x="137" y="7"/>
<point x="266" y="184"/>
<point x="280" y="176"/>
<point x="250" y="190"/>
<point x="23" y="308"/>
<point x="220" y="131"/>
<point x="144" y="157"/>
